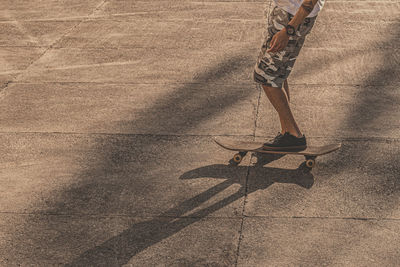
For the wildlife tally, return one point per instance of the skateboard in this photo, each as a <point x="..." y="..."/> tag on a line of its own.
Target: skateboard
<point x="242" y="147"/>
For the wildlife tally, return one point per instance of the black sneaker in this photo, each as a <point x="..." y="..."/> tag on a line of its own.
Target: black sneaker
<point x="273" y="140"/>
<point x="286" y="142"/>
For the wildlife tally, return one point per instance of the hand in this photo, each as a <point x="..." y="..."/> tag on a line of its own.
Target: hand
<point x="279" y="41"/>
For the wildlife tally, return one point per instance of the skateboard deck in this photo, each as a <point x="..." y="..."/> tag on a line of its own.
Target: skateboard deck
<point x="310" y="153"/>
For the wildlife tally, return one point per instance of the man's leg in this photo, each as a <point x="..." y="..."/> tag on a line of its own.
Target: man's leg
<point x="286" y="87"/>
<point x="279" y="99"/>
<point x="271" y="71"/>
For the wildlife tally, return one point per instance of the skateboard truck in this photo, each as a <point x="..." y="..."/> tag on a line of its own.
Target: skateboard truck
<point x="310" y="160"/>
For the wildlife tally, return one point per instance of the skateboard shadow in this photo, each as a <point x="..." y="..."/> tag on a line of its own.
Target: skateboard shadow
<point x="262" y="177"/>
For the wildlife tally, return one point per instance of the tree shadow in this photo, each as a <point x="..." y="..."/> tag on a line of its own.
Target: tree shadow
<point x="116" y="153"/>
<point x="119" y="249"/>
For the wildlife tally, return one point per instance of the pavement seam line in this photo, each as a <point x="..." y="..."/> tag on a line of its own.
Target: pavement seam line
<point x="144" y="216"/>
<point x="246" y="185"/>
<point x="349" y="139"/>
<point x="248" y="169"/>
<point x="201" y="83"/>
<point x="242" y="215"/>
<point x="131" y="47"/>
<point x="257" y="111"/>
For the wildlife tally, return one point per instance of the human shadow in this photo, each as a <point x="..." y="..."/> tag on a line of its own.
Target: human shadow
<point x="119" y="249"/>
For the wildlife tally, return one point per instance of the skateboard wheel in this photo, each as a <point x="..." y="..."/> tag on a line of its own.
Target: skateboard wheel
<point x="310" y="163"/>
<point x="237" y="158"/>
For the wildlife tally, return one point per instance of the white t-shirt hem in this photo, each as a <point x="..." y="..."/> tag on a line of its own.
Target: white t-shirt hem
<point x="292" y="9"/>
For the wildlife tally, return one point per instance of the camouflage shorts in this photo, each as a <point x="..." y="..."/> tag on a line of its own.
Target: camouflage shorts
<point x="272" y="69"/>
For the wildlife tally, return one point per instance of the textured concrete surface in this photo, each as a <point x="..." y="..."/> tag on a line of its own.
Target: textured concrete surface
<point x="317" y="241"/>
<point x="107" y="113"/>
<point x="109" y="108"/>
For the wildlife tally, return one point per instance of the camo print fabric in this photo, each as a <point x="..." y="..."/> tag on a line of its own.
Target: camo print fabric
<point x="272" y="69"/>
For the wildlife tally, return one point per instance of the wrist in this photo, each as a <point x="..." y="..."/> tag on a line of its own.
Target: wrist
<point x="290" y="30"/>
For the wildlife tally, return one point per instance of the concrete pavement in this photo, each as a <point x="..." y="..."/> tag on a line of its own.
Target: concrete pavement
<point x="107" y="109"/>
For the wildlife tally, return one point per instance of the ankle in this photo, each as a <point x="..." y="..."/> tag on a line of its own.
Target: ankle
<point x="296" y="134"/>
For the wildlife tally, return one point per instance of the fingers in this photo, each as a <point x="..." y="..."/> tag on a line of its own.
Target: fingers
<point x="275" y="47"/>
<point x="272" y="44"/>
<point x="278" y="43"/>
<point x="280" y="47"/>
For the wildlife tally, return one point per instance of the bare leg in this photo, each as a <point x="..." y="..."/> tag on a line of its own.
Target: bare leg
<point x="283" y="124"/>
<point x="286" y="87"/>
<point x="279" y="99"/>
